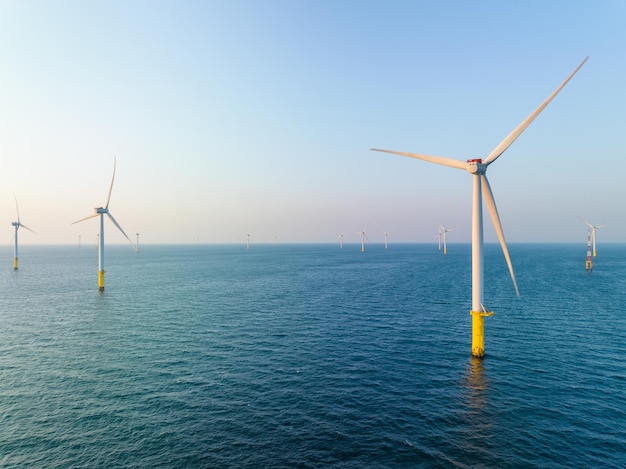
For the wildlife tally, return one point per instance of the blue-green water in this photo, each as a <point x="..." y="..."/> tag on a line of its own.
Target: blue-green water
<point x="310" y="356"/>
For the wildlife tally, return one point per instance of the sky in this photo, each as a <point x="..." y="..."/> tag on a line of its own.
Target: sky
<point x="236" y="117"/>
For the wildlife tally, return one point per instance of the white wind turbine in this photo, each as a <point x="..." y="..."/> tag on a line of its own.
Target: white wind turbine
<point x="101" y="211"/>
<point x="363" y="238"/>
<point x="593" y="233"/>
<point x="340" y="240"/>
<point x="443" y="231"/>
<point x="17" y="224"/>
<point x="477" y="168"/>
<point x="386" y="236"/>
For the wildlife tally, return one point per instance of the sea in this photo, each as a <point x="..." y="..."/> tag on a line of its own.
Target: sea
<point x="311" y="356"/>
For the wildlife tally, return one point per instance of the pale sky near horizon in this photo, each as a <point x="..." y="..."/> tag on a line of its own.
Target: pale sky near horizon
<point x="236" y="117"/>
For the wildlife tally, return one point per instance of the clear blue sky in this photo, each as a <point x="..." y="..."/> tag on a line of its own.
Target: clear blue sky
<point x="235" y="117"/>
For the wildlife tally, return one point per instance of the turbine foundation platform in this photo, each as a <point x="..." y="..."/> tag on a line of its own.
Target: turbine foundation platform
<point x="478" y="332"/>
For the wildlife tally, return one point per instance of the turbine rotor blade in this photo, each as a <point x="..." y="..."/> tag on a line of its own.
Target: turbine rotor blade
<point x="120" y="228"/>
<point x="17" y="209"/>
<point x="586" y="222"/>
<point x="495" y="218"/>
<point x="497" y="151"/>
<point x="93" y="215"/>
<point x="24" y="226"/>
<point x="451" y="162"/>
<point x="112" y="180"/>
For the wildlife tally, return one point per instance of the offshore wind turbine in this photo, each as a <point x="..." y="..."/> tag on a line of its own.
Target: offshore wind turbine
<point x="477" y="168"/>
<point x="386" y="236"/>
<point x="443" y="231"/>
<point x="17" y="224"/>
<point x="589" y="261"/>
<point x="593" y="233"/>
<point x="340" y="240"/>
<point x="363" y="238"/>
<point x="101" y="212"/>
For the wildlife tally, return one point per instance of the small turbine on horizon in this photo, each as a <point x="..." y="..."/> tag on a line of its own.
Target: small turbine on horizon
<point x="386" y="236"/>
<point x="477" y="168"/>
<point x="101" y="211"/>
<point x="363" y="238"/>
<point x="340" y="240"/>
<point x="593" y="233"/>
<point x="17" y="224"/>
<point x="442" y="233"/>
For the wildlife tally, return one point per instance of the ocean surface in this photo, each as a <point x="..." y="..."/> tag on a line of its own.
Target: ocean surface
<point x="309" y="356"/>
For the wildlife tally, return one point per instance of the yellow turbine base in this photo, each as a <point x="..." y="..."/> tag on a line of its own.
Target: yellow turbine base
<point x="588" y="265"/>
<point x="101" y="280"/>
<point x="478" y="332"/>
<point x="15" y="264"/>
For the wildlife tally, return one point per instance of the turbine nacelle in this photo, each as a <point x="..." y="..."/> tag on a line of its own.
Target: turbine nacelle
<point x="476" y="166"/>
<point x="101" y="210"/>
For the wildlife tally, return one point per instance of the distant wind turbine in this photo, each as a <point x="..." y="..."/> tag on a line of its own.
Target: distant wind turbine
<point x="477" y="168"/>
<point x="443" y="231"/>
<point x="363" y="238"/>
<point x="593" y="233"/>
<point x="100" y="211"/>
<point x="340" y="240"/>
<point x="17" y="224"/>
<point x="248" y="242"/>
<point x="439" y="236"/>
<point x="386" y="236"/>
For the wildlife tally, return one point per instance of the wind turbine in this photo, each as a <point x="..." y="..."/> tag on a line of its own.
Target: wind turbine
<point x="17" y="224"/>
<point x="340" y="240"/>
<point x="100" y="211"/>
<point x="248" y="243"/>
<point x="439" y="237"/>
<point x="386" y="235"/>
<point x="477" y="168"/>
<point x="593" y="233"/>
<point x="443" y="231"/>
<point x="363" y="238"/>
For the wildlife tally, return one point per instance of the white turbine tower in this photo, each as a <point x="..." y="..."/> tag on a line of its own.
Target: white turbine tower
<point x="340" y="240"/>
<point x="363" y="238"/>
<point x="439" y="236"/>
<point x="593" y="233"/>
<point x="386" y="236"/>
<point x="17" y="224"/>
<point x="100" y="211"/>
<point x="443" y="231"/>
<point x="477" y="168"/>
